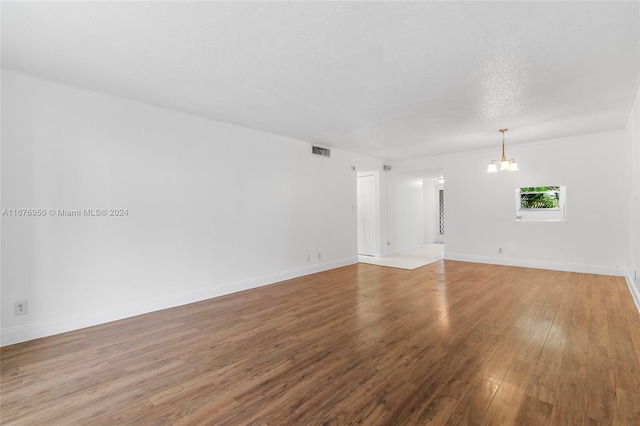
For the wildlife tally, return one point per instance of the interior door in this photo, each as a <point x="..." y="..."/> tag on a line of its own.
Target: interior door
<point x="366" y="215"/>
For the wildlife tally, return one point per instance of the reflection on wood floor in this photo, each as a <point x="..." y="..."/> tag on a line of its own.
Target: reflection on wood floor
<point x="448" y="343"/>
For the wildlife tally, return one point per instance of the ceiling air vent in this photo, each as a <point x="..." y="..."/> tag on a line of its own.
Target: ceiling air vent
<point x="318" y="150"/>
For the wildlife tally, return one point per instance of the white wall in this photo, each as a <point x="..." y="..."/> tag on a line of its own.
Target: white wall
<point x="480" y="209"/>
<point x="440" y="238"/>
<point x="405" y="211"/>
<point x="633" y="165"/>
<point x="429" y="211"/>
<point x="213" y="208"/>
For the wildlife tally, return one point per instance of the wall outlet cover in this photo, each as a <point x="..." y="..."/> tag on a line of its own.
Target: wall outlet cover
<point x="20" y="308"/>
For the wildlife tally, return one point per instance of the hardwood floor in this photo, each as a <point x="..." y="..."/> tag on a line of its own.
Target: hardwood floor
<point x="449" y="343"/>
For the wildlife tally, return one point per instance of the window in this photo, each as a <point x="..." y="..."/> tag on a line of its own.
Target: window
<point x="541" y="203"/>
<point x="540" y="197"/>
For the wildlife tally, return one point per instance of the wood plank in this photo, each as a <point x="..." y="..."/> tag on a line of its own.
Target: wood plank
<point x="473" y="405"/>
<point x="544" y="380"/>
<point x="575" y="358"/>
<point x="628" y="404"/>
<point x="601" y="389"/>
<point x="533" y="412"/>
<point x="505" y="405"/>
<point x="569" y="407"/>
<point x="624" y="362"/>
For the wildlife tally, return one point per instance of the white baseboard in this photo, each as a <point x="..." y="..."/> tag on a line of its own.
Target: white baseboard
<point x="539" y="264"/>
<point x="75" y="322"/>
<point x="635" y="291"/>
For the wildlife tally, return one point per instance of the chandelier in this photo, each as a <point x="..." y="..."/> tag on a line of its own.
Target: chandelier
<point x="508" y="165"/>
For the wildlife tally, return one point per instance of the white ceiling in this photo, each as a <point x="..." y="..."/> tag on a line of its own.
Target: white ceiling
<point x="391" y="79"/>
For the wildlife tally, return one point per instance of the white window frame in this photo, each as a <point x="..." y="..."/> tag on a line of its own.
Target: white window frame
<point x="558" y="214"/>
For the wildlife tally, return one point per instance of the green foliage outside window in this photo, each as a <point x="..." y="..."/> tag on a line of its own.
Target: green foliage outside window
<point x="540" y="197"/>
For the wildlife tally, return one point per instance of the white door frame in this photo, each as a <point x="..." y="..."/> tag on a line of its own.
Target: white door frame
<point x="439" y="236"/>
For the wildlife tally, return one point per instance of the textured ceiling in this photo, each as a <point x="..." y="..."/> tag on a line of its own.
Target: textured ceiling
<point x="391" y="79"/>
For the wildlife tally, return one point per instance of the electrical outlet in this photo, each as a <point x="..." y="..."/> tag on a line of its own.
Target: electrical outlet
<point x="20" y="308"/>
<point x="388" y="243"/>
<point x="319" y="255"/>
<point x="500" y="250"/>
<point x="308" y="258"/>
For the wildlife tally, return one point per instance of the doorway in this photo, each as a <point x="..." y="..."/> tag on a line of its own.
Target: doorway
<point x="433" y="208"/>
